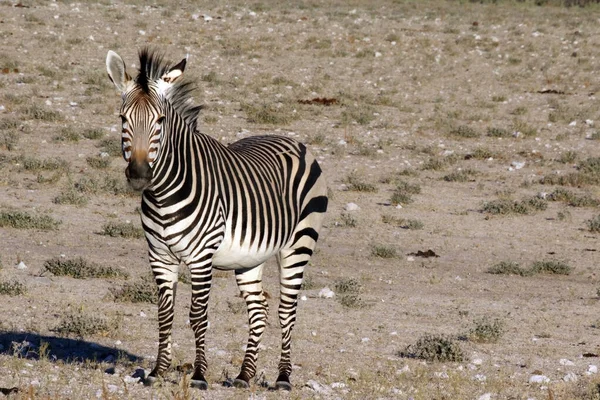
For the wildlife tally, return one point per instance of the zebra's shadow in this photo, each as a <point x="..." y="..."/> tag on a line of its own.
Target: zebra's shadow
<point x="35" y="346"/>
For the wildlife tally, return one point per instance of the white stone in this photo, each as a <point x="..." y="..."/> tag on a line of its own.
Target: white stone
<point x="365" y="340"/>
<point x="326" y="293"/>
<point x="351" y="207"/>
<point x="338" y="385"/>
<point x="478" y="361"/>
<point x="21" y="265"/>
<point x="518" y="164"/>
<point x="207" y="18"/>
<point x="570" y="377"/>
<point x="480" y="377"/>
<point x="573" y="123"/>
<point x="342" y="142"/>
<point x="539" y="379"/>
<point x="592" y="369"/>
<point x="317" y="387"/>
<point x="142" y="314"/>
<point x="131" y="379"/>
<point x="303" y="298"/>
<point x="485" y="396"/>
<point x="441" y="375"/>
<point x="565" y="362"/>
<point x="589" y="122"/>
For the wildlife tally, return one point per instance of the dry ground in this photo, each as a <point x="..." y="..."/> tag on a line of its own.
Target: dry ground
<point x="469" y="104"/>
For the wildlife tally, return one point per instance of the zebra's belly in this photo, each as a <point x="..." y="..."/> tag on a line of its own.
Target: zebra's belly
<point x="231" y="255"/>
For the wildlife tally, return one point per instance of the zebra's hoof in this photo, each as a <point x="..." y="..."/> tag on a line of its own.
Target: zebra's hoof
<point x="151" y="381"/>
<point x="283" y="385"/>
<point x="240" y="384"/>
<point x="202" y="385"/>
<point x="228" y="383"/>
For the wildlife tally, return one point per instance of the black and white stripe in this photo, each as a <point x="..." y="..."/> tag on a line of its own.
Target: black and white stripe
<point x="214" y="206"/>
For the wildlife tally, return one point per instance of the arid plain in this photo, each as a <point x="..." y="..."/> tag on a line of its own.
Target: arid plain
<point x="467" y="135"/>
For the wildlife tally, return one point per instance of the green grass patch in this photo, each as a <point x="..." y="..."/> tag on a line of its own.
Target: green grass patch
<point x="39" y="112"/>
<point x="403" y="193"/>
<point x="573" y="199"/>
<point x="79" y="268"/>
<point x="98" y="162"/>
<point x="404" y="223"/>
<point x="463" y="175"/>
<point x="67" y="135"/>
<point x="347" y="292"/>
<point x="125" y="230"/>
<point x="111" y="146"/>
<point x="464" y="131"/>
<point x="71" y="196"/>
<point x="434" y="348"/>
<point x="24" y="220"/>
<point x="508" y="268"/>
<point x="33" y="164"/>
<point x="498" y="132"/>
<point x="551" y="267"/>
<point x="93" y="133"/>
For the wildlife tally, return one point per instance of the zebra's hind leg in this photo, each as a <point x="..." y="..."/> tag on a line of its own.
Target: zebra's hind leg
<point x="249" y="281"/>
<point x="201" y="276"/>
<point x="165" y="270"/>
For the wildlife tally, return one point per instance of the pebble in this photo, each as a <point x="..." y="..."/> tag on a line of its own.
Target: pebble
<point x="592" y="369"/>
<point x="518" y="164"/>
<point x="539" y="379"/>
<point x="338" y="385"/>
<point x="326" y="293"/>
<point x="317" y="387"/>
<point x="303" y="298"/>
<point x="565" y="362"/>
<point x="573" y="123"/>
<point x="131" y="379"/>
<point x="142" y="314"/>
<point x="351" y="207"/>
<point x="478" y="361"/>
<point x="21" y="265"/>
<point x="485" y="396"/>
<point x="570" y="377"/>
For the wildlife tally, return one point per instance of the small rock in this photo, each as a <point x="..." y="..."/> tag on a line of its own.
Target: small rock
<point x="21" y="265"/>
<point x="539" y="379"/>
<point x="565" y="362"/>
<point x="477" y="361"/>
<point x="573" y="123"/>
<point x="589" y="122"/>
<point x="338" y="385"/>
<point x="485" y="396"/>
<point x="351" y="207"/>
<point x="207" y="18"/>
<point x="112" y="388"/>
<point x="518" y="164"/>
<point x="441" y="375"/>
<point x="131" y="379"/>
<point x="342" y="142"/>
<point x="480" y="377"/>
<point x="403" y="370"/>
<point x="326" y="293"/>
<point x="592" y="369"/>
<point x="142" y="314"/>
<point x="317" y="387"/>
<point x="570" y="377"/>
<point x="303" y="298"/>
<point x="365" y="340"/>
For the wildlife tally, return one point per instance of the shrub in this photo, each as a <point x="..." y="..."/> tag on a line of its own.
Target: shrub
<point x="594" y="224"/>
<point x="402" y="193"/>
<point x="551" y="267"/>
<point x="12" y="288"/>
<point x="79" y="268"/>
<point x="24" y="220"/>
<point x="144" y="291"/>
<point x="486" y="330"/>
<point x="384" y="251"/>
<point x="80" y="324"/>
<point x="434" y="348"/>
<point x="125" y="230"/>
<point x="508" y="268"/>
<point x="356" y="184"/>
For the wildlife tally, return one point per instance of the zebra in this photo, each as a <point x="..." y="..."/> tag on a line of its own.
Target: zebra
<point x="212" y="206"/>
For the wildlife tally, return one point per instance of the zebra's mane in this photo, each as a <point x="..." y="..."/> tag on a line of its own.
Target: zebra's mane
<point x="152" y="68"/>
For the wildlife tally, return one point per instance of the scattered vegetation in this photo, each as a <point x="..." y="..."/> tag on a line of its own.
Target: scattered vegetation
<point x="111" y="146"/>
<point x="348" y="220"/>
<point x="142" y="291"/>
<point x="403" y="223"/>
<point x="80" y="324"/>
<point x="508" y="268"/>
<point x="384" y="251"/>
<point x="348" y="292"/>
<point x="507" y="206"/>
<point x="70" y="196"/>
<point x="79" y="268"/>
<point x="12" y="288"/>
<point x="67" y="134"/>
<point x="267" y="113"/>
<point x="39" y="112"/>
<point x="403" y="193"/>
<point x="125" y="230"/>
<point x="93" y="133"/>
<point x="432" y="348"/>
<point x="499" y="132"/>
<point x="355" y="183"/>
<point x="462" y="175"/>
<point x="98" y="162"/>
<point x="573" y="199"/>
<point x="594" y="224"/>
<point x="588" y="173"/>
<point x="486" y="330"/>
<point x="33" y="164"/>
<point x="538" y="267"/>
<point x="464" y="131"/>
<point x="24" y="220"/>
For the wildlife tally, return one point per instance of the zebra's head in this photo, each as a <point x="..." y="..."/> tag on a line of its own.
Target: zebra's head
<point x="142" y="112"/>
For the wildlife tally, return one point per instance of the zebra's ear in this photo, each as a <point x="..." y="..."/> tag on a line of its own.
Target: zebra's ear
<point x="175" y="72"/>
<point x="115" y="66"/>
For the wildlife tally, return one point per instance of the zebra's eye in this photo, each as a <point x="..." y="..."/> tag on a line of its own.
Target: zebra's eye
<point x="159" y="122"/>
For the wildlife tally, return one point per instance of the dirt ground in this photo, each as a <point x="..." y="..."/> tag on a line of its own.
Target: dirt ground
<point x="468" y="104"/>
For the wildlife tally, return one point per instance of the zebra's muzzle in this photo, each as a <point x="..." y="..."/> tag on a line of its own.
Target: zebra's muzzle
<point x="138" y="174"/>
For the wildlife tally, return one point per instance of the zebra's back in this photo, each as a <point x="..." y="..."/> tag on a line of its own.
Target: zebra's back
<point x="275" y="184"/>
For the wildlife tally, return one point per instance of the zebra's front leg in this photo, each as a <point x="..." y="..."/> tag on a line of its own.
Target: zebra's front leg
<point x="165" y="272"/>
<point x="201" y="276"/>
<point x="250" y="284"/>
